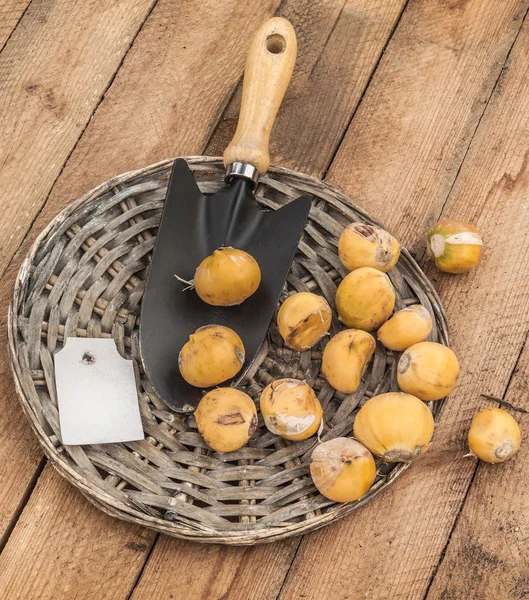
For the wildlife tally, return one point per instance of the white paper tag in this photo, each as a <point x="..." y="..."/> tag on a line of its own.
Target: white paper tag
<point x="96" y="390"/>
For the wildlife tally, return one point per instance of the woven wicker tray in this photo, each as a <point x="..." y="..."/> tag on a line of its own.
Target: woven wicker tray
<point x="85" y="275"/>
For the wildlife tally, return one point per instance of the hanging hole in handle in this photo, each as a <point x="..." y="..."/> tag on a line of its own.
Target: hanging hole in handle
<point x="275" y="44"/>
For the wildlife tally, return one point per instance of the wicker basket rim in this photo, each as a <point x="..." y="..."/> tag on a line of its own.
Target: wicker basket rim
<point x="98" y="496"/>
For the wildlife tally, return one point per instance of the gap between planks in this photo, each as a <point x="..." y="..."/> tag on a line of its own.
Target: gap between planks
<point x="476" y="469"/>
<point x="23" y="501"/>
<point x="32" y="482"/>
<point x="522" y="347"/>
<point x="440" y="212"/>
<point x="24" y="5"/>
<point x="87" y="123"/>
<point x="349" y="124"/>
<point x="142" y="569"/>
<point x="337" y="148"/>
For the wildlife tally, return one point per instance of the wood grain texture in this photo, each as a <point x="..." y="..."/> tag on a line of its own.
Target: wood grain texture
<point x="313" y="101"/>
<point x="86" y="554"/>
<point x="487" y="556"/>
<point x="47" y="96"/>
<point x="340" y="44"/>
<point x="20" y="453"/>
<point x="227" y="573"/>
<point x="356" y="34"/>
<point x="175" y="118"/>
<point x="10" y="13"/>
<point x="402" y="152"/>
<point x="168" y="97"/>
<point x="267" y="72"/>
<point x="88" y="165"/>
<point x="55" y="69"/>
<point x="400" y="536"/>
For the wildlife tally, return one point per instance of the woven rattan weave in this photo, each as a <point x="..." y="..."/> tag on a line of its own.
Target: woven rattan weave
<point x="85" y="275"/>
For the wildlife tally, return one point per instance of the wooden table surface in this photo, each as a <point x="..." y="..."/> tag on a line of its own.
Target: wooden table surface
<point x="416" y="109"/>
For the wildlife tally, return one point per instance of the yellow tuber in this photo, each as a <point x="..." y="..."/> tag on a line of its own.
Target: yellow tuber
<point x="303" y="319"/>
<point x="494" y="435"/>
<point x="455" y="246"/>
<point x="291" y="409"/>
<point x="345" y="359"/>
<point x="365" y="299"/>
<point x="394" y="426"/>
<point x="213" y="354"/>
<point x="428" y="370"/>
<point x="226" y="419"/>
<point x="342" y="469"/>
<point x="406" y="327"/>
<point x="227" y="277"/>
<point x="362" y="245"/>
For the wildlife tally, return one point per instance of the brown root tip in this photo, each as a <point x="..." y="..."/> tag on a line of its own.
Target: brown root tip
<point x="234" y="418"/>
<point x="398" y="455"/>
<point x="383" y="257"/>
<point x="253" y="426"/>
<point x="504" y="450"/>
<point x="503" y="402"/>
<point x="365" y="230"/>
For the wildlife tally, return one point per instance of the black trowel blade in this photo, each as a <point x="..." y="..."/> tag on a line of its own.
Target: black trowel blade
<point x="193" y="225"/>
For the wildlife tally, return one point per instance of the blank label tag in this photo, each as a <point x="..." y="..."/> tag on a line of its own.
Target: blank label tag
<point x="96" y="390"/>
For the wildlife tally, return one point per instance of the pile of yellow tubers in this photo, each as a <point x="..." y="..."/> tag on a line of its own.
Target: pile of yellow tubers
<point x="395" y="426"/>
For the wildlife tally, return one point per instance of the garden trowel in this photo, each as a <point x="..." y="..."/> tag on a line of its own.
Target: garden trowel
<point x="193" y="225"/>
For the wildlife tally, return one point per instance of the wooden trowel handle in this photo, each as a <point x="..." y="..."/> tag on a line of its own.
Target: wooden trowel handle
<point x="268" y="69"/>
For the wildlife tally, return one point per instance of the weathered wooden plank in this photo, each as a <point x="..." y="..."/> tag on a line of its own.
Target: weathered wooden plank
<point x="487" y="556"/>
<point x="84" y="554"/>
<point x="340" y="44"/>
<point x="167" y="60"/>
<point x="10" y="13"/>
<point x="324" y="38"/>
<point x="20" y="455"/>
<point x="95" y="158"/>
<point x="177" y="556"/>
<point x="54" y="70"/>
<point x="53" y="76"/>
<point x="168" y="98"/>
<point x="390" y="548"/>
<point x="402" y="152"/>
<point x="206" y="572"/>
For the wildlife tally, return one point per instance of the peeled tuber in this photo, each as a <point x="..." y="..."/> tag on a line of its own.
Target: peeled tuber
<point x="291" y="409"/>
<point x="226" y="418"/>
<point x="342" y="469"/>
<point x="365" y="299"/>
<point x="212" y="354"/>
<point x="363" y="245"/>
<point x="303" y="319"/>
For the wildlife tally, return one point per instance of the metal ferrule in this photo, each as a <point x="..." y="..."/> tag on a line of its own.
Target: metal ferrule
<point x="243" y="171"/>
